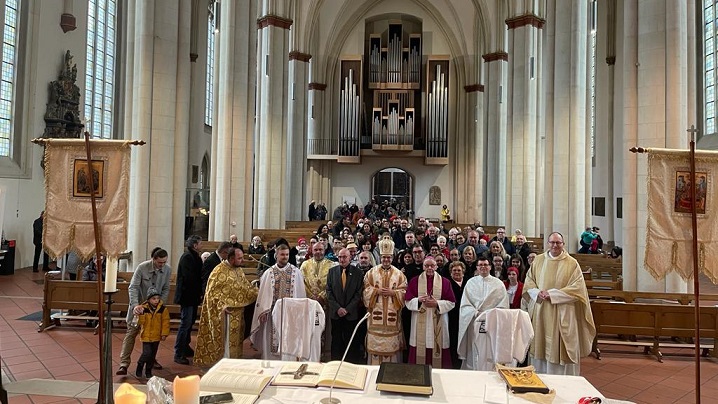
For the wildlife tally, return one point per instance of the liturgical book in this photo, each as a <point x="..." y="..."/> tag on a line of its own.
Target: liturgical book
<point x="522" y="380"/>
<point x="317" y="374"/>
<point x="244" y="382"/>
<point x="405" y="378"/>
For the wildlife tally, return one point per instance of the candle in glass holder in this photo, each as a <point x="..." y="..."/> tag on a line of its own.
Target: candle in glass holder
<point x="126" y="394"/>
<point x="111" y="275"/>
<point x="186" y="390"/>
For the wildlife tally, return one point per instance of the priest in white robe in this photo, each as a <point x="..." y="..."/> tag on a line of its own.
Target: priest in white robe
<point x="429" y="297"/>
<point x="481" y="293"/>
<point x="560" y="311"/>
<point x="279" y="281"/>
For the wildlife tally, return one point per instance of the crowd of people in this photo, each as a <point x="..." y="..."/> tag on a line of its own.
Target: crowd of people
<point x="423" y="286"/>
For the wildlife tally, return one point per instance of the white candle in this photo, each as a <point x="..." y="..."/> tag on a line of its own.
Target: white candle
<point x="186" y="390"/>
<point x="126" y="394"/>
<point x="111" y="276"/>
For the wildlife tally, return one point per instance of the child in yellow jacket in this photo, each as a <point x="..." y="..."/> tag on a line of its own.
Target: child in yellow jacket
<point x="155" y="326"/>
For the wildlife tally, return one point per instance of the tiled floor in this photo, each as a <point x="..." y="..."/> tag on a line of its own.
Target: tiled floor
<point x="71" y="353"/>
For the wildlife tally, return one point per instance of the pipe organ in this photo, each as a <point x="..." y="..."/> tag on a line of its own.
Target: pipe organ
<point x="402" y="105"/>
<point x="437" y="105"/>
<point x="350" y="112"/>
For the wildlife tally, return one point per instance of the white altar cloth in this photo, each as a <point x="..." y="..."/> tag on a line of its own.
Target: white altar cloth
<point x="450" y="386"/>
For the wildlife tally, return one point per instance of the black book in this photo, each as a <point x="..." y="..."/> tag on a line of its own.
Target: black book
<point x="405" y="378"/>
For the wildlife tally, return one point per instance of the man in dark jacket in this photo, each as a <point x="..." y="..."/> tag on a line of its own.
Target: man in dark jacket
<point x="212" y="261"/>
<point x="37" y="240"/>
<point x="188" y="295"/>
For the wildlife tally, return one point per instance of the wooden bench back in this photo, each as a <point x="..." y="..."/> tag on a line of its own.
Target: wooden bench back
<point x="656" y="320"/>
<point x="636" y="297"/>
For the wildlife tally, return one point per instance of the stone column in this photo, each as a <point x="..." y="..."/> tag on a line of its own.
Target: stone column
<point x="319" y="181"/>
<point x="496" y="152"/>
<point x="271" y="183"/>
<point x="153" y="100"/>
<point x="182" y="124"/>
<point x="297" y="135"/>
<point x="469" y="168"/>
<point x="524" y="42"/>
<point x="655" y="108"/>
<point x="233" y="143"/>
<point x="566" y="189"/>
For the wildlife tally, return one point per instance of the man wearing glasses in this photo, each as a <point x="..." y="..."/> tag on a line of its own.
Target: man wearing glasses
<point x="560" y="311"/>
<point x="481" y="293"/>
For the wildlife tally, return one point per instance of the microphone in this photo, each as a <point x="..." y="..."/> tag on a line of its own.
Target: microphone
<point x="330" y="400"/>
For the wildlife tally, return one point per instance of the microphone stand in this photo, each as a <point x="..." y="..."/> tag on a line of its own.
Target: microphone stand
<point x="330" y="400"/>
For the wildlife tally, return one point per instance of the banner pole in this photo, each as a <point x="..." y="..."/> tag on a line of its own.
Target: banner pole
<point x="100" y="289"/>
<point x="696" y="283"/>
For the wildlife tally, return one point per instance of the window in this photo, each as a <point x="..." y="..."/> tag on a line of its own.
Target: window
<point x="209" y="92"/>
<point x="709" y="34"/>
<point x="7" y="80"/>
<point x="100" y="71"/>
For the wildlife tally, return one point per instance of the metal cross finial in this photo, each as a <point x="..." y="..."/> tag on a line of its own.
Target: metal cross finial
<point x="692" y="130"/>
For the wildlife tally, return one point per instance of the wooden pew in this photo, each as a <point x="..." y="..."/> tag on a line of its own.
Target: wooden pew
<point x="638" y="297"/>
<point x="654" y="321"/>
<point x="600" y="266"/>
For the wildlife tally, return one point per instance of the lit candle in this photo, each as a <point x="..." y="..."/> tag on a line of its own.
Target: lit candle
<point x="126" y="394"/>
<point x="186" y="390"/>
<point x="111" y="276"/>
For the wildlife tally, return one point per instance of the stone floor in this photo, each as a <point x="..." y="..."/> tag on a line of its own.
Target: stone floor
<point x="61" y="365"/>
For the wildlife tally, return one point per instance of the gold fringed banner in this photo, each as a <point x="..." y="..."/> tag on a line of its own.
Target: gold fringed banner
<point x="668" y="224"/>
<point x="68" y="206"/>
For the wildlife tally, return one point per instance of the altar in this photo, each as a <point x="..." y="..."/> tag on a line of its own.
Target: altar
<point x="450" y="386"/>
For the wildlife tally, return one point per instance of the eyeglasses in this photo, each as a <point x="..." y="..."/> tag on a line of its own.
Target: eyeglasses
<point x="555" y="242"/>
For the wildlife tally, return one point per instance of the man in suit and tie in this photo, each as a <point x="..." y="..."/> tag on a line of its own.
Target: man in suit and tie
<point x="344" y="291"/>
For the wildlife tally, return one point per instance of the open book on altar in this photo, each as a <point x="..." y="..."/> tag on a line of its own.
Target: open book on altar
<point x="317" y="374"/>
<point x="243" y="380"/>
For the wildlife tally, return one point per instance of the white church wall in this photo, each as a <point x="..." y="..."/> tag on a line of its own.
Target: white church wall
<point x="25" y="197"/>
<point x="355" y="181"/>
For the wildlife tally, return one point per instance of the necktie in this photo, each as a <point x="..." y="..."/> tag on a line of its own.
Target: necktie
<point x="344" y="278"/>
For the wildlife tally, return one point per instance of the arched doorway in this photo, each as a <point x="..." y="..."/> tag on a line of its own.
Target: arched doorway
<point x="393" y="183"/>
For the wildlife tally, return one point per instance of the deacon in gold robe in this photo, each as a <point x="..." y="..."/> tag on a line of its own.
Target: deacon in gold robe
<point x="430" y="298"/>
<point x="316" y="272"/>
<point x="560" y="311"/>
<point x="384" y="290"/>
<point x="227" y="287"/>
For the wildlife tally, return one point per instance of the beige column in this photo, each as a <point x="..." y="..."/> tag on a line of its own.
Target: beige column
<point x="297" y="135"/>
<point x="319" y="182"/>
<point x="566" y="189"/>
<point x="496" y="146"/>
<point x="468" y="167"/>
<point x="659" y="47"/>
<point x="233" y="143"/>
<point x="524" y="45"/>
<point x="153" y="99"/>
<point x="271" y="127"/>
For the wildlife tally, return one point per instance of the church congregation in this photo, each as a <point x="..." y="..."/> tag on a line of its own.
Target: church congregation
<point x="425" y="301"/>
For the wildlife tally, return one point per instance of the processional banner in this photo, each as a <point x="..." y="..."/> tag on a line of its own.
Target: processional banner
<point x="669" y="235"/>
<point x="68" y="224"/>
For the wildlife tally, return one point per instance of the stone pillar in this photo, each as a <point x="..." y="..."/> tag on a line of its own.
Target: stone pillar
<point x="271" y="183"/>
<point x="233" y="145"/>
<point x="296" y="138"/>
<point x="566" y="189"/>
<point x="182" y="125"/>
<point x="153" y="100"/>
<point x="319" y="182"/>
<point x="469" y="168"/>
<point x="655" y="108"/>
<point x="524" y="43"/>
<point x="496" y="152"/>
